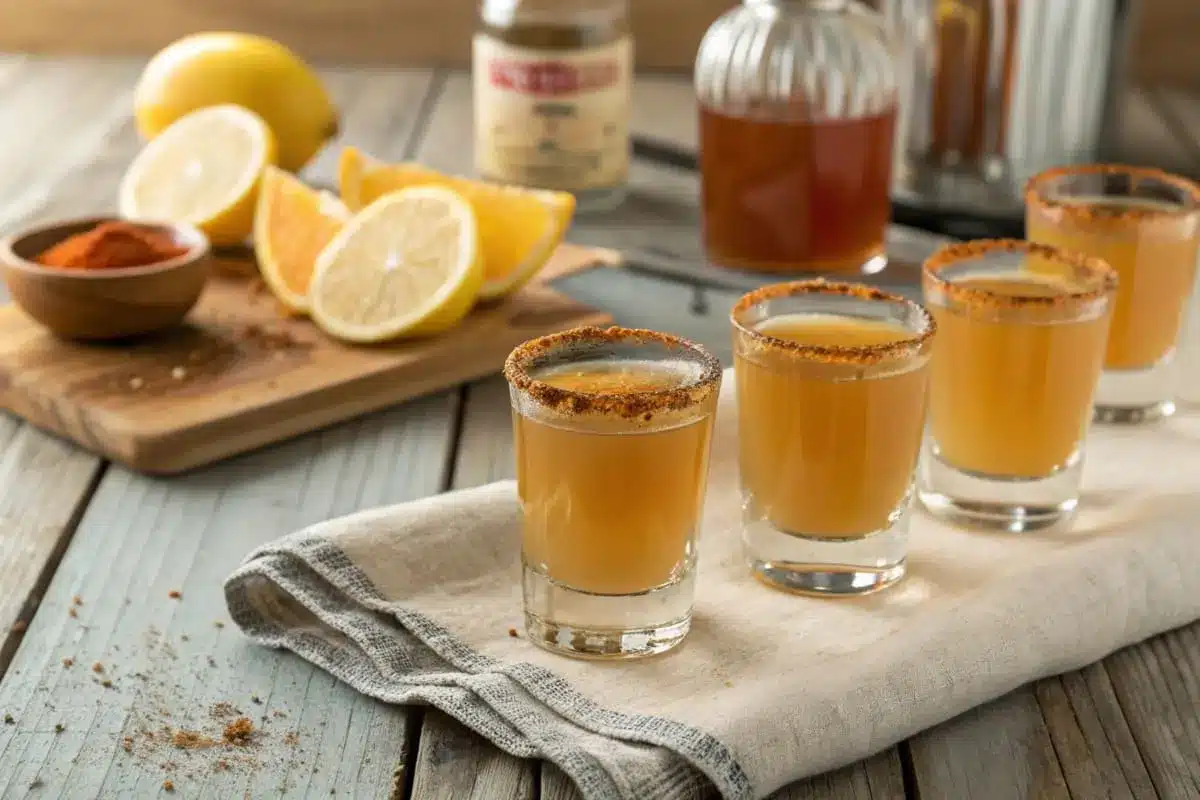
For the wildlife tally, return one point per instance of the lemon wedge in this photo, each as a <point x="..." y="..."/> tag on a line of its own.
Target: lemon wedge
<point x="292" y="225"/>
<point x="407" y="265"/>
<point x="518" y="228"/>
<point x="204" y="169"/>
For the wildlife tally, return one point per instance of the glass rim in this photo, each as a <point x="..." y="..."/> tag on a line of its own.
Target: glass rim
<point x="1036" y="192"/>
<point x="950" y="254"/>
<point x="907" y="347"/>
<point x="625" y="404"/>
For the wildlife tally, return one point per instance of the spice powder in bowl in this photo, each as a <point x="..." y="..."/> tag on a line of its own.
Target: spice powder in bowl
<point x="115" y="244"/>
<point x="106" y="277"/>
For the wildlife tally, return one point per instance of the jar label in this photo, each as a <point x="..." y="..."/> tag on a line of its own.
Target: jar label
<point x="558" y="120"/>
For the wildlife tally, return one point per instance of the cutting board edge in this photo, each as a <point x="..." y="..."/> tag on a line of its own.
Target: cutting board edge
<point x="250" y="434"/>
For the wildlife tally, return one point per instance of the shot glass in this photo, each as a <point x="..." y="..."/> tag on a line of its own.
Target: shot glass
<point x="831" y="384"/>
<point x="612" y="429"/>
<point x="1146" y="224"/>
<point x="1022" y="329"/>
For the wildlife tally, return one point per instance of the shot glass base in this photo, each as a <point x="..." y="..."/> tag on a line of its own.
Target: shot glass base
<point x="829" y="580"/>
<point x="1129" y="397"/>
<point x="610" y="627"/>
<point x="1133" y="415"/>
<point x="999" y="504"/>
<point x="826" y="566"/>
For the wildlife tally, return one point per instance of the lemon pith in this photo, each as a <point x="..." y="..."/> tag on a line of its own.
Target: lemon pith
<point x="204" y="170"/>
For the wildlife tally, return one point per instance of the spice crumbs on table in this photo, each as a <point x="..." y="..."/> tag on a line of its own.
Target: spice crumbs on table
<point x="72" y="613"/>
<point x="291" y="738"/>
<point x="8" y="720"/>
<point x="256" y="699"/>
<point x="218" y="624"/>
<point x="106" y="683"/>
<point x="513" y="633"/>
<point x="59" y="727"/>
<point x="168" y="786"/>
<point x="127" y="744"/>
<point x="97" y="668"/>
<point x="77" y="600"/>
<point x="175" y="594"/>
<point x="239" y="731"/>
<point x="191" y="740"/>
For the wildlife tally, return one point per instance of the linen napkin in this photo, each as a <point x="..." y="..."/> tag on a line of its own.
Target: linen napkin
<point x="413" y="604"/>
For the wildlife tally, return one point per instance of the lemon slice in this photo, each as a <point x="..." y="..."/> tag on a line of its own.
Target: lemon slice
<point x="204" y="169"/>
<point x="407" y="265"/>
<point x="518" y="228"/>
<point x="292" y="225"/>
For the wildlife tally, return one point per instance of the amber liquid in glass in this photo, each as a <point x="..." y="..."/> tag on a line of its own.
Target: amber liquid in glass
<point x="1155" y="260"/>
<point x="1012" y="398"/>
<point x="825" y="452"/>
<point x="788" y="196"/>
<point x="611" y="510"/>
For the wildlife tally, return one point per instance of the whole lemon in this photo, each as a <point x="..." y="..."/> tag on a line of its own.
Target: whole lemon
<point x="208" y="69"/>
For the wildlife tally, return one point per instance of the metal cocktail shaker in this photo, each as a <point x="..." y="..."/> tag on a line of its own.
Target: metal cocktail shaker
<point x="993" y="91"/>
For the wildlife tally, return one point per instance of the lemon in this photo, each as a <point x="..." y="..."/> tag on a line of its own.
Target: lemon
<point x="292" y="225"/>
<point x="518" y="228"/>
<point x="208" y="69"/>
<point x="407" y="265"/>
<point x="205" y="170"/>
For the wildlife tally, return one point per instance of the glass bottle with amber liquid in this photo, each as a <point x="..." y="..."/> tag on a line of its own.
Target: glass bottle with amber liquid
<point x="552" y="96"/>
<point x="798" y="106"/>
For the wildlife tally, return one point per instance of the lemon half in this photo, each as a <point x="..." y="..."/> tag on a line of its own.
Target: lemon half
<point x="409" y="264"/>
<point x="204" y="170"/>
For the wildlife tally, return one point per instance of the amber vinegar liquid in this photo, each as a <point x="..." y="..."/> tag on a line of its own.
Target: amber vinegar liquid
<point x="783" y="195"/>
<point x="1012" y="397"/>
<point x="828" y="451"/>
<point x="610" y="508"/>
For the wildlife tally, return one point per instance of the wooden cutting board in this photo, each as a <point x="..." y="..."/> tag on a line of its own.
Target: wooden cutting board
<point x="240" y="374"/>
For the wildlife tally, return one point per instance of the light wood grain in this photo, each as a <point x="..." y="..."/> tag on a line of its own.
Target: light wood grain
<point x="53" y="163"/>
<point x="997" y="751"/>
<point x="44" y="485"/>
<point x="1157" y="684"/>
<point x="877" y="778"/>
<point x="142" y="539"/>
<point x="238" y="376"/>
<point x="1093" y="742"/>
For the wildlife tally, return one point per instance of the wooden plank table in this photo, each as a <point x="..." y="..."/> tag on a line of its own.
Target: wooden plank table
<point x="112" y="624"/>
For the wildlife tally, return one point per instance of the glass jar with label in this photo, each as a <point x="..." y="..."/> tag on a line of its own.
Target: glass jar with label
<point x="552" y="96"/>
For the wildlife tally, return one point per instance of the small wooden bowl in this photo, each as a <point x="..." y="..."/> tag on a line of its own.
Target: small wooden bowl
<point x="104" y="303"/>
